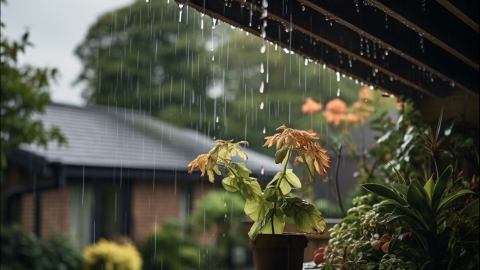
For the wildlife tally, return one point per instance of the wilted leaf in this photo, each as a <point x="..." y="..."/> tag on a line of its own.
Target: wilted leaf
<point x="230" y="184"/>
<point x="309" y="220"/>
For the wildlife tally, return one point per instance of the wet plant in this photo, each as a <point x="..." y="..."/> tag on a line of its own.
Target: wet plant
<point x="273" y="206"/>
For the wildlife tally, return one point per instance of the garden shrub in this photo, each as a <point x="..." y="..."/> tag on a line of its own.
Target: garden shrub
<point x="109" y="255"/>
<point x="21" y="249"/>
<point x="167" y="248"/>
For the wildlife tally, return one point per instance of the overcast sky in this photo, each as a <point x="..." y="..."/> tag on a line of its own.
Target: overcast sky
<point x="56" y="28"/>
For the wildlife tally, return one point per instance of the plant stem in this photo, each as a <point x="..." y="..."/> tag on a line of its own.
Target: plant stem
<point x="337" y="167"/>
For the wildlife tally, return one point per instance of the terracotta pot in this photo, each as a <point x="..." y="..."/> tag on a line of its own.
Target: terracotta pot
<point x="279" y="251"/>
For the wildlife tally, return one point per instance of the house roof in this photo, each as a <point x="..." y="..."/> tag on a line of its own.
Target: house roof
<point x="109" y="137"/>
<point x="415" y="48"/>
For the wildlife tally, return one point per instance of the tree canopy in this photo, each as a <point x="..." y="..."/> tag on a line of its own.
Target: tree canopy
<point x="24" y="93"/>
<point x="196" y="72"/>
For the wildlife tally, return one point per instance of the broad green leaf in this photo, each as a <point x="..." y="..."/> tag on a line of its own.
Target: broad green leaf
<point x="242" y="170"/>
<point x="258" y="225"/>
<point x="471" y="210"/>
<point x="400" y="188"/>
<point x="440" y="187"/>
<point x="270" y="194"/>
<point x="293" y="179"/>
<point x="419" y="203"/>
<point x="257" y="210"/>
<point x="277" y="176"/>
<point x="450" y="198"/>
<point x="294" y="200"/>
<point x="281" y="154"/>
<point x="250" y="189"/>
<point x="284" y="186"/>
<point x="384" y="191"/>
<point x="429" y="186"/>
<point x="230" y="184"/>
<point x="309" y="220"/>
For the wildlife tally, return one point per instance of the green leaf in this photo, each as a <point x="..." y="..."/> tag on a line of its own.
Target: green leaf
<point x="400" y="188"/>
<point x="264" y="226"/>
<point x="419" y="203"/>
<point x="440" y="187"/>
<point x="309" y="220"/>
<point x="250" y="189"/>
<point x="409" y="213"/>
<point x="284" y="186"/>
<point x="399" y="175"/>
<point x="293" y="179"/>
<point x="281" y="154"/>
<point x="450" y="198"/>
<point x="471" y="210"/>
<point x="287" y="157"/>
<point x="242" y="170"/>
<point x="429" y="187"/>
<point x="270" y="194"/>
<point x="239" y="151"/>
<point x="257" y="210"/>
<point x="384" y="191"/>
<point x="307" y="161"/>
<point x="422" y="191"/>
<point x="230" y="184"/>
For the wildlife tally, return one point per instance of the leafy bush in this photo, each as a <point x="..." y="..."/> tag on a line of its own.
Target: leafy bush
<point x="23" y="250"/>
<point x="108" y="255"/>
<point x="168" y="249"/>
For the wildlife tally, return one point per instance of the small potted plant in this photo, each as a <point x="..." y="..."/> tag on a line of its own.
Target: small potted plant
<point x="273" y="206"/>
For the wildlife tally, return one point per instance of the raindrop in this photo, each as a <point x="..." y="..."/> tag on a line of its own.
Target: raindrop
<point x="216" y="120"/>
<point x="147" y="1"/>
<point x="201" y="21"/>
<point x="306" y="62"/>
<point x="303" y="8"/>
<point x="338" y="92"/>
<point x="181" y="9"/>
<point x="452" y="84"/>
<point x="214" y="23"/>
<point x="261" y="87"/>
<point x="261" y="68"/>
<point x="263" y="48"/>
<point x="338" y="76"/>
<point x="264" y="130"/>
<point x="261" y="106"/>
<point x="213" y="58"/>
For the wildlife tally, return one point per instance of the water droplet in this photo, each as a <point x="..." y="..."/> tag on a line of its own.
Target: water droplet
<point x="338" y="92"/>
<point x="147" y="1"/>
<point x="216" y="120"/>
<point x="263" y="48"/>
<point x="261" y="106"/>
<point x="303" y="8"/>
<point x="264" y="130"/>
<point x="261" y="87"/>
<point x="306" y="62"/>
<point x="261" y="68"/>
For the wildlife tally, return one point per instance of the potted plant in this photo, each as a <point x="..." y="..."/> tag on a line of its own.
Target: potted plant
<point x="273" y="206"/>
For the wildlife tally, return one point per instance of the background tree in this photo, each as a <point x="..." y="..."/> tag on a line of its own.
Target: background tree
<point x="24" y="93"/>
<point x="192" y="71"/>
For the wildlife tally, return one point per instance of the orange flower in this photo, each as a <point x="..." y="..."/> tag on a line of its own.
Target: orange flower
<point x="352" y="118"/>
<point x="311" y="154"/>
<point x="311" y="106"/>
<point x="335" y="111"/>
<point x="365" y="93"/>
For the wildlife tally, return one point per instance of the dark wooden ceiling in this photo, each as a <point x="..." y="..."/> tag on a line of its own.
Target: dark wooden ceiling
<point x="417" y="48"/>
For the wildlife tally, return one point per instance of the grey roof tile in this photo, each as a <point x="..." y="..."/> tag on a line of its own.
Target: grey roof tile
<point x="121" y="138"/>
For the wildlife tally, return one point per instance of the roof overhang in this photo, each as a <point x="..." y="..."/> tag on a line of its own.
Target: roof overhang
<point x="413" y="48"/>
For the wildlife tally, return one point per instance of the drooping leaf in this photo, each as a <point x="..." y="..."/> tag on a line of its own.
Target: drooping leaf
<point x="251" y="189"/>
<point x="257" y="210"/>
<point x="309" y="220"/>
<point x="284" y="186"/>
<point x="270" y="194"/>
<point x="293" y="179"/>
<point x="281" y="154"/>
<point x="230" y="183"/>
<point x="242" y="170"/>
<point x="384" y="191"/>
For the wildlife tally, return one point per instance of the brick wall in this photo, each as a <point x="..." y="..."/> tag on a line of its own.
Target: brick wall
<point x="149" y="205"/>
<point x="55" y="212"/>
<point x="26" y="215"/>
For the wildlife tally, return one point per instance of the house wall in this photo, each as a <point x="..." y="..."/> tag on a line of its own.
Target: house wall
<point x="26" y="215"/>
<point x="55" y="214"/>
<point x="150" y="206"/>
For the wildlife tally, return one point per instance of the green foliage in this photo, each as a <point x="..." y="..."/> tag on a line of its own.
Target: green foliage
<point x="24" y="93"/>
<point x="23" y="250"/>
<point x="416" y="219"/>
<point x="110" y="255"/>
<point x="328" y="209"/>
<point x="167" y="248"/>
